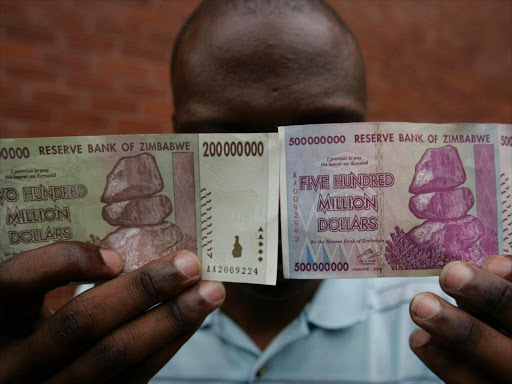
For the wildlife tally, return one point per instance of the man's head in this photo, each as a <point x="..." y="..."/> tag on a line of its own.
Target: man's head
<point x="253" y="65"/>
<point x="256" y="64"/>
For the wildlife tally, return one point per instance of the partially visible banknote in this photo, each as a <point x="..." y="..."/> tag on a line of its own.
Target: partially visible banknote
<point x="505" y="150"/>
<point x="393" y="199"/>
<point x="145" y="196"/>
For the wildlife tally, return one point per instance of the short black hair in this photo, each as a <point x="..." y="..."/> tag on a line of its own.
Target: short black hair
<point x="265" y="7"/>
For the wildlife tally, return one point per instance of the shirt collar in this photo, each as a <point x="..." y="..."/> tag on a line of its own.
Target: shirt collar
<point x="339" y="303"/>
<point x="209" y="319"/>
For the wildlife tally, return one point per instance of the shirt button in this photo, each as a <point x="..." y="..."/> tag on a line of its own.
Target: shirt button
<point x="261" y="371"/>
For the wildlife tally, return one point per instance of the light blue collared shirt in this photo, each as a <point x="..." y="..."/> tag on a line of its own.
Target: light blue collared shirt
<point x="353" y="331"/>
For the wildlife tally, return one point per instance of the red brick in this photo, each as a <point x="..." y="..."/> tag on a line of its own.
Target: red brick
<point x="180" y="8"/>
<point x="143" y="89"/>
<point x="166" y="36"/>
<point x="46" y="130"/>
<point x="12" y="90"/>
<point x="133" y="3"/>
<point x="86" y="122"/>
<point x="30" y="33"/>
<point x="161" y="74"/>
<point x="109" y="9"/>
<point x="53" y="98"/>
<point x="143" y="50"/>
<point x="12" y="9"/>
<point x="145" y="16"/>
<point x="34" y="112"/>
<point x="11" y="128"/>
<point x="58" y="129"/>
<point x="115" y="28"/>
<point x="111" y="19"/>
<point x="166" y="32"/>
<point x="58" y="297"/>
<point x="124" y="68"/>
<point x="158" y="108"/>
<point x="93" y="82"/>
<point x="14" y="50"/>
<point x="68" y="61"/>
<point x="126" y="126"/>
<point x="62" y="19"/>
<point x="112" y="104"/>
<point x="87" y="43"/>
<point x="26" y="73"/>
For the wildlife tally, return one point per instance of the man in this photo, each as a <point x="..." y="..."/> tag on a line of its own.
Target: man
<point x="244" y="66"/>
<point x="251" y="66"/>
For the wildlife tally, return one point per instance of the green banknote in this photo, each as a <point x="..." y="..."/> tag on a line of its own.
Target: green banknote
<point x="145" y="196"/>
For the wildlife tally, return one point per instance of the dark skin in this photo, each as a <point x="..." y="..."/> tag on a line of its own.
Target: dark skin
<point x="261" y="317"/>
<point x="470" y="343"/>
<point x="304" y="91"/>
<point x="106" y="333"/>
<point x="262" y="79"/>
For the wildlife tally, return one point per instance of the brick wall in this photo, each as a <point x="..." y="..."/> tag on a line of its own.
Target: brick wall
<point x="72" y="67"/>
<point x="75" y="67"/>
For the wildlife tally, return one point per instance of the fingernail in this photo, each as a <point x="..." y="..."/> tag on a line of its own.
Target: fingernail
<point x="424" y="306"/>
<point x="456" y="276"/>
<point x="186" y="263"/>
<point x="499" y="265"/>
<point x="212" y="291"/>
<point x="112" y="259"/>
<point x="419" y="338"/>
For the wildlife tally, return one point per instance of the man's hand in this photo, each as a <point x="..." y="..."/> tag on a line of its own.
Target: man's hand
<point x="471" y="343"/>
<point x="106" y="333"/>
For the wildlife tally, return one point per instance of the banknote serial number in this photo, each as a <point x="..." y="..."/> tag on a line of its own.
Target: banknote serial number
<point x="233" y="149"/>
<point x="232" y="270"/>
<point x="14" y="153"/>
<point x="316" y="140"/>
<point x="308" y="267"/>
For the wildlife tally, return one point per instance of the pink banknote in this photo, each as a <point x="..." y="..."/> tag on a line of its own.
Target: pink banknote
<point x="393" y="199"/>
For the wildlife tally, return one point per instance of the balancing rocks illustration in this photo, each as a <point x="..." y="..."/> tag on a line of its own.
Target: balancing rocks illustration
<point x="448" y="232"/>
<point x="132" y="204"/>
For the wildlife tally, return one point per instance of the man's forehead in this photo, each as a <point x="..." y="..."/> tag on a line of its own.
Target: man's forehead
<point x="255" y="61"/>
